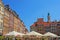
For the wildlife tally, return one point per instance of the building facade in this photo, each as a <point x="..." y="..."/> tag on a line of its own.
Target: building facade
<point x="1" y="17"/>
<point x="10" y="21"/>
<point x="42" y="27"/>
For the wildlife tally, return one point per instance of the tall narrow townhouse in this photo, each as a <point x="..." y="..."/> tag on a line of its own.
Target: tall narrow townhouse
<point x="18" y="26"/>
<point x="1" y="17"/>
<point x="11" y="21"/>
<point x="15" y="21"/>
<point x="6" y="21"/>
<point x="22" y="27"/>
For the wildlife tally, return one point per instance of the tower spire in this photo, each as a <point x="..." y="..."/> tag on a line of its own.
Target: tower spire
<point x="48" y="17"/>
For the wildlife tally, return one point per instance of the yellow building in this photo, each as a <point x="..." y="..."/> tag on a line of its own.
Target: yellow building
<point x="1" y="16"/>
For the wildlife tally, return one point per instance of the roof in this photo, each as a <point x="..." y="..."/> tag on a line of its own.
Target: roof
<point x="41" y="23"/>
<point x="44" y="24"/>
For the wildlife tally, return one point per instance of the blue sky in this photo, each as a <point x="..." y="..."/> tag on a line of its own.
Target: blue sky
<point x="30" y="10"/>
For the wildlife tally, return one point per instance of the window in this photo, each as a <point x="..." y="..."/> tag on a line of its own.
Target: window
<point x="1" y="17"/>
<point x="1" y="25"/>
<point x="33" y="29"/>
<point x="6" y="14"/>
<point x="0" y="8"/>
<point x="47" y="29"/>
<point x="53" y="29"/>
<point x="40" y="29"/>
<point x="58" y="24"/>
<point x="18" y="25"/>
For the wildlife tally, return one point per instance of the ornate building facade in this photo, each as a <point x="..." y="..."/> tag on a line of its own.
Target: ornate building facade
<point x="42" y="27"/>
<point x="10" y="21"/>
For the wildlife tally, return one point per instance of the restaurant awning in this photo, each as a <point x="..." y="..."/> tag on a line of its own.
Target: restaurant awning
<point x="50" y="34"/>
<point x="14" y="33"/>
<point x="34" y="33"/>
